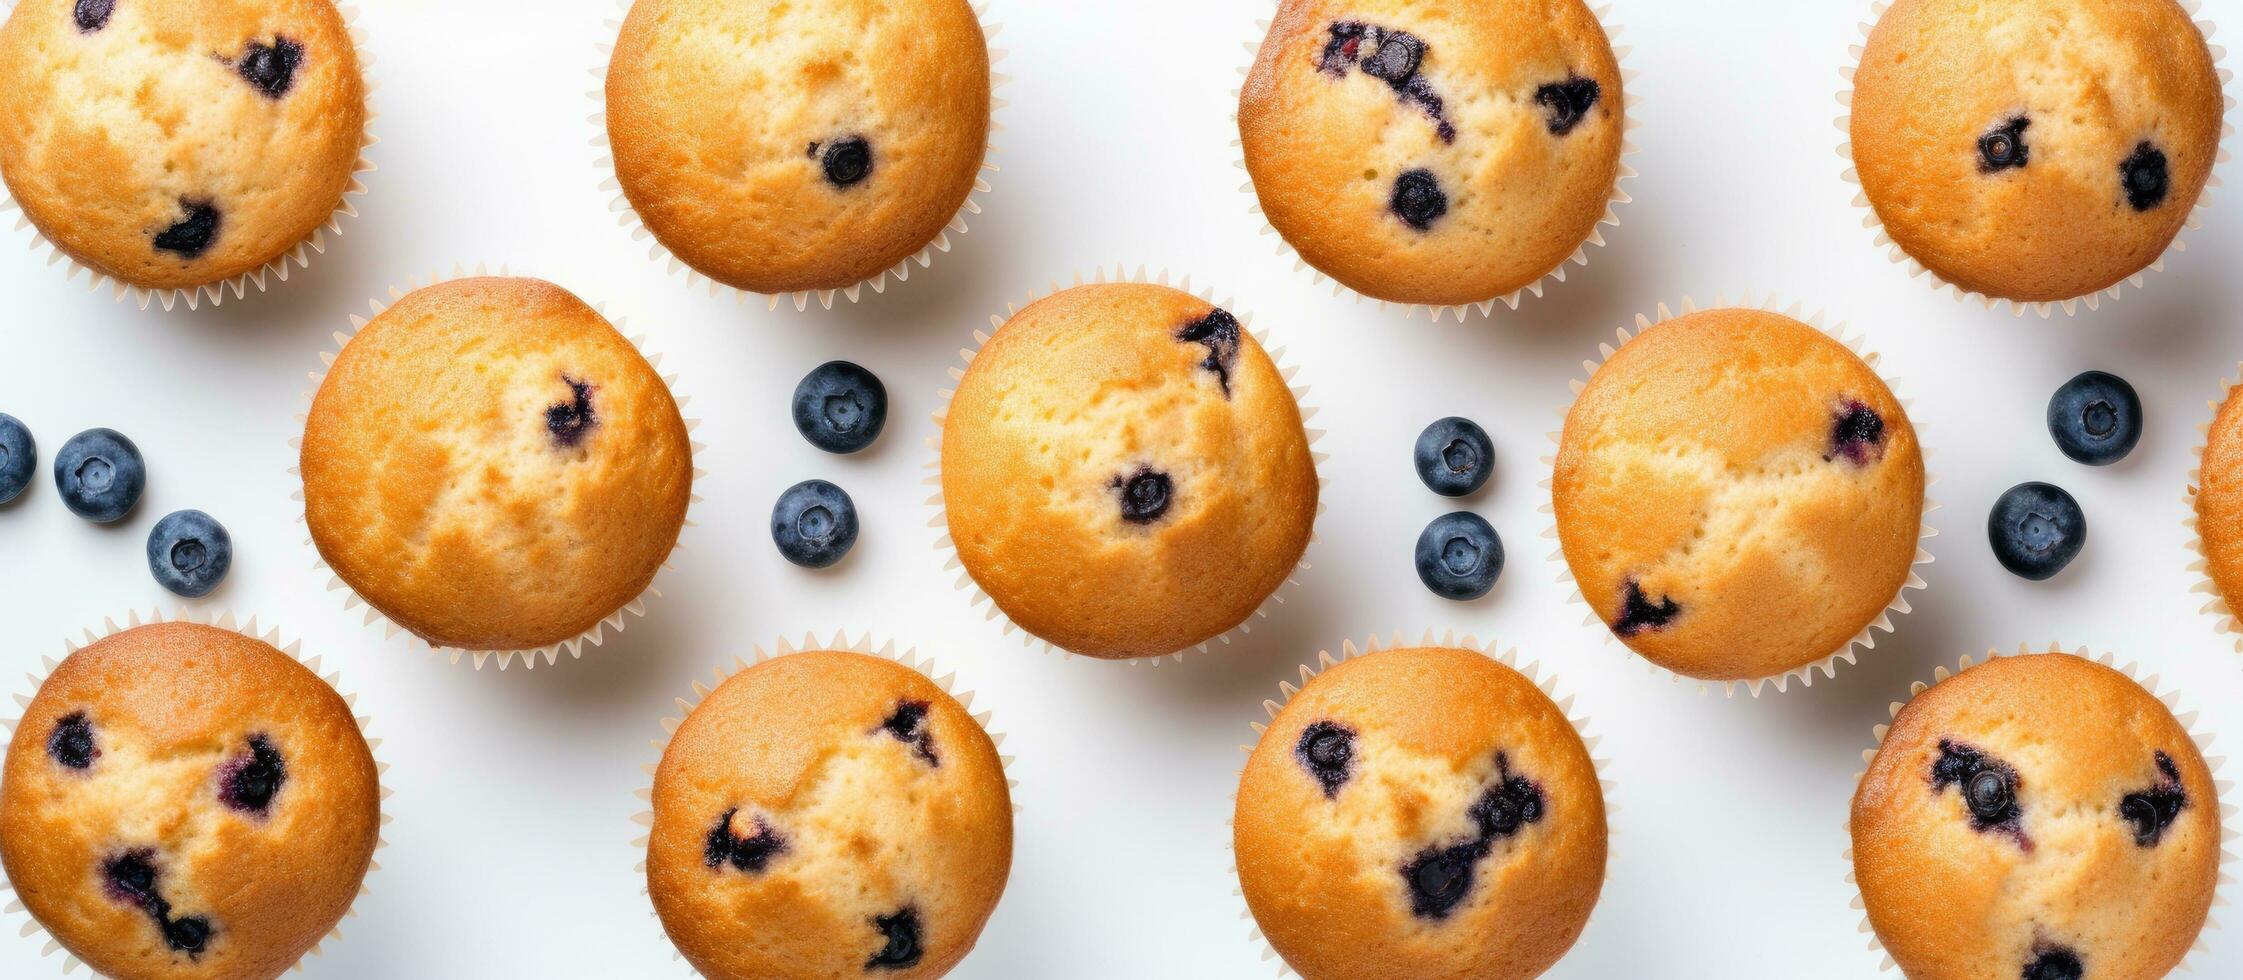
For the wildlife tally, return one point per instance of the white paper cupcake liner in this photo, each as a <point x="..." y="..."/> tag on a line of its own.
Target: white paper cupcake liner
<point x="1630" y="102"/>
<point x="1865" y="639"/>
<point x="2171" y="700"/>
<point x="1325" y="660"/>
<point x="628" y="217"/>
<point x="530" y="657"/>
<point x="270" y="636"/>
<point x="301" y="254"/>
<point x="2215" y="603"/>
<point x="886" y="650"/>
<point x="941" y="520"/>
<point x="1916" y="269"/>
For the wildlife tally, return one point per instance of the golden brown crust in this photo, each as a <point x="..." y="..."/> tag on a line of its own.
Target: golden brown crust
<point x="1322" y="874"/>
<point x="870" y="826"/>
<point x="1084" y="389"/>
<point x="2219" y="501"/>
<point x="710" y="106"/>
<point x="1324" y="152"/>
<point x="104" y="134"/>
<point x="2095" y="79"/>
<point x="170" y="705"/>
<point x="1699" y="464"/>
<point x="1953" y="903"/>
<point x="436" y="488"/>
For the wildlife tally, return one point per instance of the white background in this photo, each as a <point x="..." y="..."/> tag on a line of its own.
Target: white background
<point x="508" y="856"/>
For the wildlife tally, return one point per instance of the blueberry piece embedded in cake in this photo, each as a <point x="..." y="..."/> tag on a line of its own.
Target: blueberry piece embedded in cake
<point x="1418" y="199"/>
<point x="1391" y="56"/>
<point x="1857" y="433"/>
<point x="193" y="233"/>
<point x="2054" y="963"/>
<point x="249" y="782"/>
<point x="1218" y="332"/>
<point x="2036" y="529"/>
<point x="1638" y="614"/>
<point x="1327" y="750"/>
<point x="1440" y="877"/>
<point x="569" y="420"/>
<point x="132" y="878"/>
<point x="72" y="743"/>
<point x="271" y="68"/>
<point x="1568" y="102"/>
<point x="1988" y="787"/>
<point x="901" y="950"/>
<point x="2143" y="177"/>
<point x="2152" y="810"/>
<point x="93" y="15"/>
<point x="750" y="853"/>
<point x="2003" y="147"/>
<point x="846" y="161"/>
<point x="908" y="724"/>
<point x="1145" y="495"/>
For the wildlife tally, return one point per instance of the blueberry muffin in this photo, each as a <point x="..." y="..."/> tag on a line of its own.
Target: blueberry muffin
<point x="2035" y="150"/>
<point x="2217" y="497"/>
<point x="1437" y="155"/>
<point x="1738" y="495"/>
<point x="828" y="814"/>
<point x="183" y="801"/>
<point x="1420" y="813"/>
<point x="492" y="466"/>
<point x="782" y="147"/>
<point x="1124" y="471"/>
<point x="176" y="144"/>
<point x="2039" y="816"/>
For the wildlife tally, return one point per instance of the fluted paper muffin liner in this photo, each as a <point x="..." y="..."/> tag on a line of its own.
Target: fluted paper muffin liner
<point x="530" y="656"/>
<point x="1630" y="102"/>
<point x="864" y="644"/>
<point x="2171" y="700"/>
<point x="2215" y="602"/>
<point x="1865" y="639"/>
<point x="1547" y="683"/>
<point x="2046" y="308"/>
<point x="941" y="520"/>
<point x="620" y="205"/>
<point x="270" y="636"/>
<point x="275" y="269"/>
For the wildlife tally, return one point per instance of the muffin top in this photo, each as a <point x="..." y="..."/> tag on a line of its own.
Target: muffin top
<point x="1125" y="471"/>
<point x="1422" y="153"/>
<point x="2035" y="150"/>
<point x="1737" y="494"/>
<point x="184" y="801"/>
<point x="493" y="467"/>
<point x="180" y="143"/>
<point x="1422" y="813"/>
<point x="828" y="814"/>
<point x="2219" y="501"/>
<point x="779" y="147"/>
<point x="2039" y="816"/>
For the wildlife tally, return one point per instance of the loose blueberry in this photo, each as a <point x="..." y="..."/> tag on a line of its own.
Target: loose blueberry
<point x="1418" y="199"/>
<point x="100" y="475"/>
<point x="1459" y="556"/>
<point x="1638" y="614"/>
<point x="72" y="742"/>
<point x="2054" y="963"/>
<point x="2004" y="146"/>
<point x="1218" y="332"/>
<point x="846" y="161"/>
<point x="1327" y="748"/>
<point x="1145" y="495"/>
<point x="189" y="553"/>
<point x="908" y="724"/>
<point x="568" y="421"/>
<point x="249" y="783"/>
<point x="190" y="236"/>
<point x="840" y="407"/>
<point x="271" y="68"/>
<point x="750" y="853"/>
<point x="2154" y="809"/>
<point x="1454" y="456"/>
<point x="902" y="952"/>
<point x="1988" y="787"/>
<point x="1857" y="434"/>
<point x="1568" y="102"/>
<point x="93" y="15"/>
<point x="2142" y="176"/>
<point x="814" y="524"/>
<point x="2036" y="529"/>
<point x="2096" y="418"/>
<point x="19" y="456"/>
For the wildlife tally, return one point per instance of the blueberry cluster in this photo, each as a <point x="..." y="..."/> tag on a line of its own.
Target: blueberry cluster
<point x="2037" y="528"/>
<point x="1440" y="877"/>
<point x="1459" y="556"/>
<point x="100" y="475"/>
<point x="132" y="878"/>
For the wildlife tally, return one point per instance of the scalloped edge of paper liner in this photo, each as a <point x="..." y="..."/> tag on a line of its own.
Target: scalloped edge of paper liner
<point x="551" y="652"/>
<point x="2216" y="604"/>
<point x="270" y="636"/>
<point x="782" y="647"/>
<point x="1544" y="681"/>
<point x="941" y="521"/>
<point x="2045" y="308"/>
<point x="1630" y="119"/>
<point x="619" y="205"/>
<point x="1866" y="639"/>
<point x="276" y="267"/>
<point x="2171" y="701"/>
